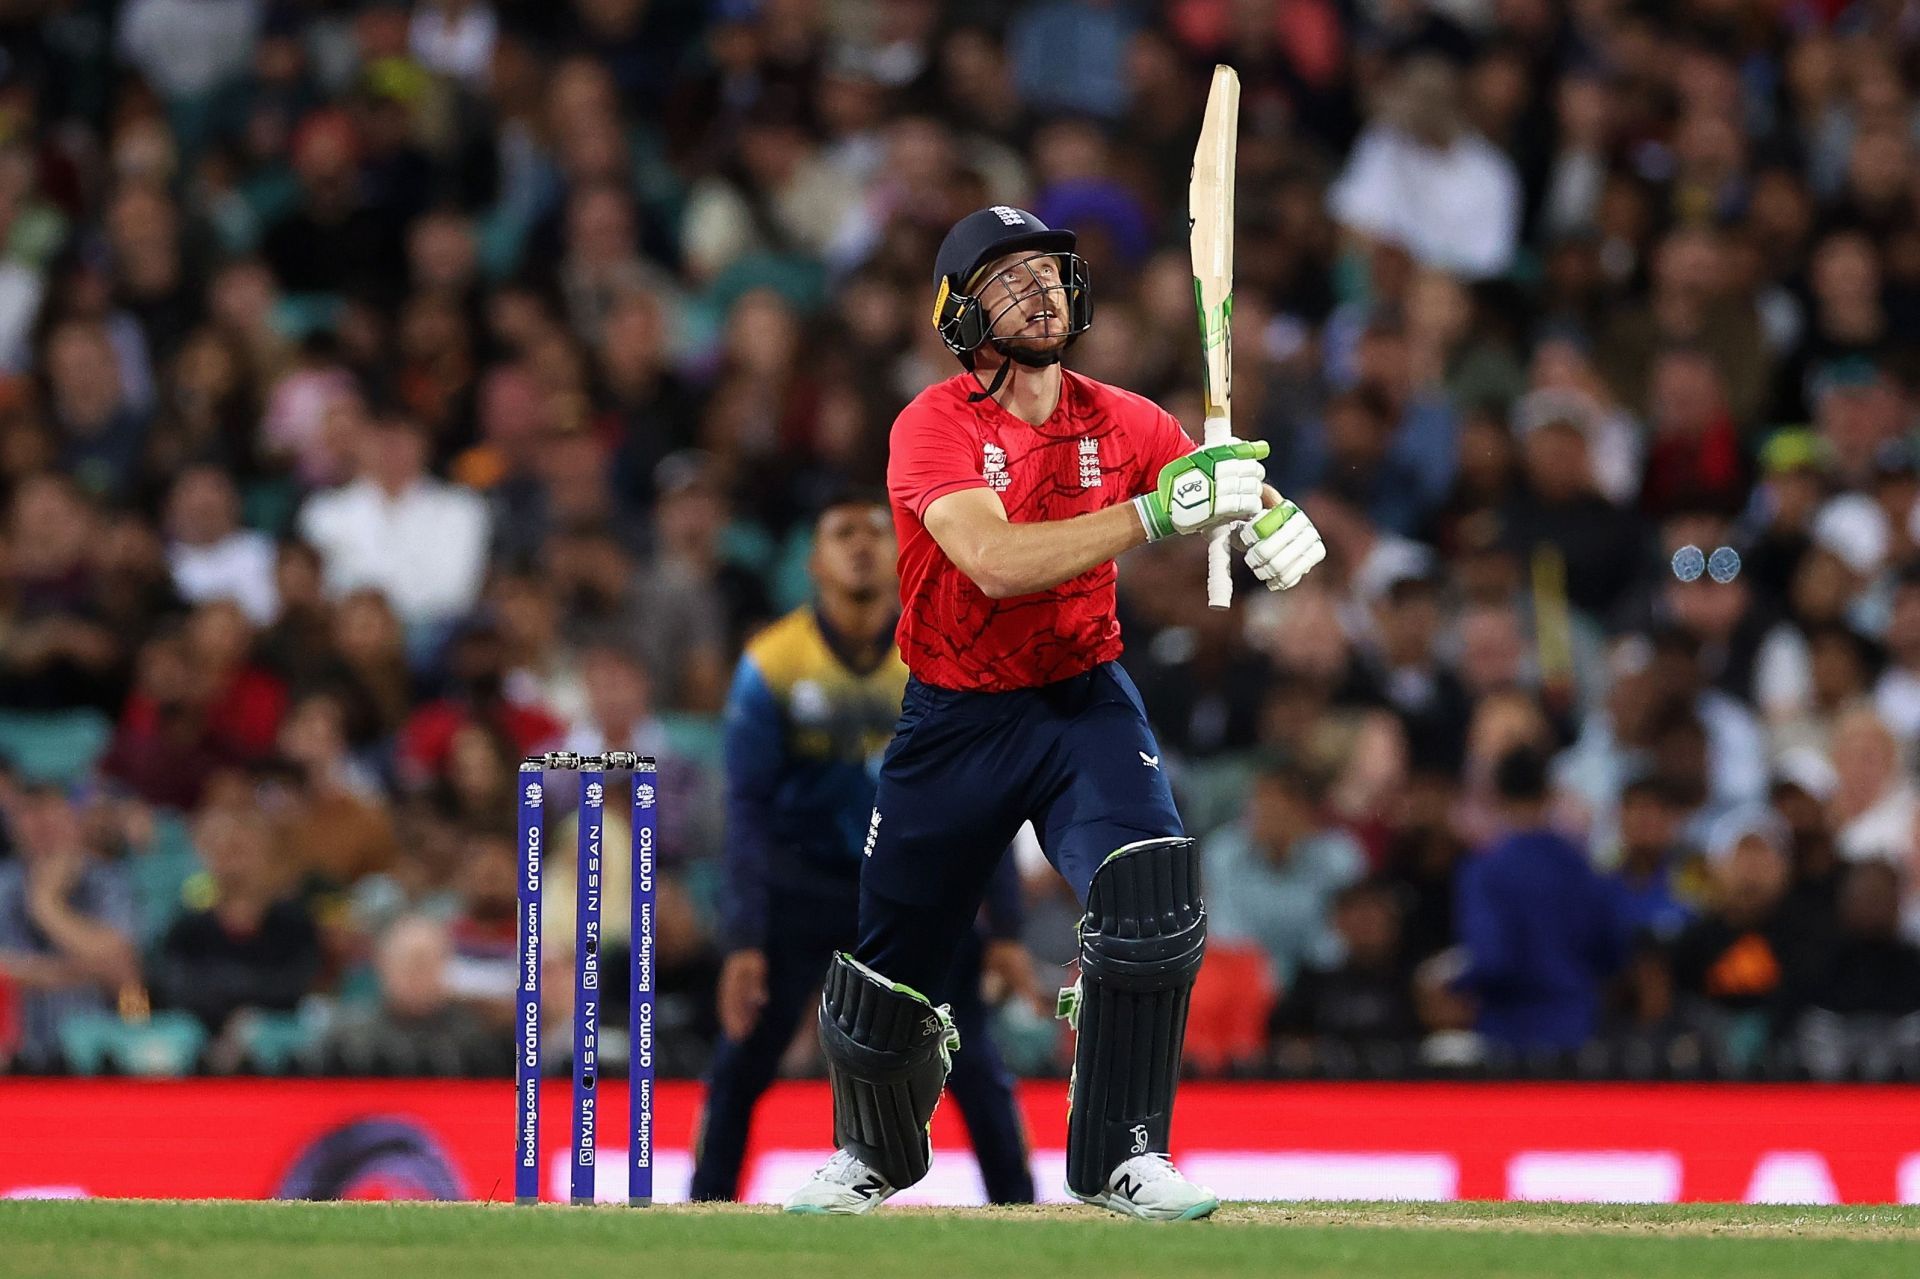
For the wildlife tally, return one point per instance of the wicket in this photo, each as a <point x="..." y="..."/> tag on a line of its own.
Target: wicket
<point x="587" y="970"/>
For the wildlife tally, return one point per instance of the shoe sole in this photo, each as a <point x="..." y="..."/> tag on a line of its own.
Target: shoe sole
<point x="818" y="1210"/>
<point x="1198" y="1212"/>
<point x="1121" y="1208"/>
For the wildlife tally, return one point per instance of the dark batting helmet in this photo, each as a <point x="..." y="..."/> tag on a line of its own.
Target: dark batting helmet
<point x="977" y="239"/>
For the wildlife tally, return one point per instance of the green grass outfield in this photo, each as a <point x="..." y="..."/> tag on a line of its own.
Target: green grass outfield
<point x="102" y="1239"/>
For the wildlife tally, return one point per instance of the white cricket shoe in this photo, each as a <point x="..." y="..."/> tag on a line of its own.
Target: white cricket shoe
<point x="1151" y="1188"/>
<point x="844" y="1184"/>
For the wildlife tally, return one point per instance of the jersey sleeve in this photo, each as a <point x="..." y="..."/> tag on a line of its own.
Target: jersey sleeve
<point x="755" y="759"/>
<point x="930" y="455"/>
<point x="1162" y="440"/>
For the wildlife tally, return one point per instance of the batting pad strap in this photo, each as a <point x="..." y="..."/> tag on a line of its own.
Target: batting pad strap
<point x="1143" y="963"/>
<point x="888" y="1053"/>
<point x="1141" y="944"/>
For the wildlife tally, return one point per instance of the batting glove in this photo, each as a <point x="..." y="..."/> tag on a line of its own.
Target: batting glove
<point x="1281" y="545"/>
<point x="1212" y="485"/>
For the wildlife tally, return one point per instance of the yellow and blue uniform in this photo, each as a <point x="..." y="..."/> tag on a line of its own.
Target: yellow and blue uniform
<point x="805" y="730"/>
<point x="804" y="735"/>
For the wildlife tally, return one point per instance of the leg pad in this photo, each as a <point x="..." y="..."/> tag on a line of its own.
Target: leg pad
<point x="1141" y="943"/>
<point x="888" y="1053"/>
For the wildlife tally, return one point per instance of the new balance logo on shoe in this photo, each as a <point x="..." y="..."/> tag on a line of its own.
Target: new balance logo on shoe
<point x="1124" y="1186"/>
<point x="869" y="1186"/>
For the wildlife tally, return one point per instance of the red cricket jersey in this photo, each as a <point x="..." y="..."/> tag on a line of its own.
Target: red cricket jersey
<point x="1101" y="446"/>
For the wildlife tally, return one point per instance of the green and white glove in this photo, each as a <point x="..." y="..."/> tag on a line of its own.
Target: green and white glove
<point x="1212" y="485"/>
<point x="1281" y="545"/>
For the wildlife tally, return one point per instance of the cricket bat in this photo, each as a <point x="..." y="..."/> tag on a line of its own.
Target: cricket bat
<point x="1210" y="230"/>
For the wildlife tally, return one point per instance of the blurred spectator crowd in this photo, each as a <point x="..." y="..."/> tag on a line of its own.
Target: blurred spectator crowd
<point x="389" y="390"/>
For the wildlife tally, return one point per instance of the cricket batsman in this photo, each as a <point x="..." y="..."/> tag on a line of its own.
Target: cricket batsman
<point x="1014" y="485"/>
<point x="814" y="701"/>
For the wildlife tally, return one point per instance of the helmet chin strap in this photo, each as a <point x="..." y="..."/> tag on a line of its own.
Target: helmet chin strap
<point x="1014" y="355"/>
<point x="992" y="388"/>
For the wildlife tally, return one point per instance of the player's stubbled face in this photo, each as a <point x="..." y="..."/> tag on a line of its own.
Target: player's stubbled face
<point x="853" y="550"/>
<point x="1025" y="296"/>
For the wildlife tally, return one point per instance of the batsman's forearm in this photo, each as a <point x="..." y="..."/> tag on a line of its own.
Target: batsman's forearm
<point x="1020" y="559"/>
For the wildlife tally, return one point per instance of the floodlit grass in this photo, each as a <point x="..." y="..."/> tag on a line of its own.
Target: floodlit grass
<point x="104" y="1239"/>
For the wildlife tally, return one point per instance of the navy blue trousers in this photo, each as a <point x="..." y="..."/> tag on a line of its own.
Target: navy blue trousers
<point x="802" y="936"/>
<point x="962" y="773"/>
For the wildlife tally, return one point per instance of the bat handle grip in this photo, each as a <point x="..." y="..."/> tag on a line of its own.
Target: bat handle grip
<point x="1219" y="430"/>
